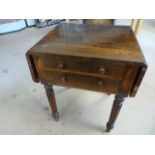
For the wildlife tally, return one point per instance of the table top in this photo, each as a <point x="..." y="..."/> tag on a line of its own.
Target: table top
<point x="109" y="42"/>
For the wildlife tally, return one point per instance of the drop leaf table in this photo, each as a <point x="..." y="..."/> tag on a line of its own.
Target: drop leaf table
<point x="99" y="58"/>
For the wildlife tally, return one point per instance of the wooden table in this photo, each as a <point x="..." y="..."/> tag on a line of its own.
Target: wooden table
<point x="99" y="58"/>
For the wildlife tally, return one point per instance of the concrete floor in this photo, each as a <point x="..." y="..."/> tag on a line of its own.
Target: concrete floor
<point x="23" y="104"/>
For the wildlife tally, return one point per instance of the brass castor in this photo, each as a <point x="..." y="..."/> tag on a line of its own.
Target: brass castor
<point x="55" y="115"/>
<point x="109" y="127"/>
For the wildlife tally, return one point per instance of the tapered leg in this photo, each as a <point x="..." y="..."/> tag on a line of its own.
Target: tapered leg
<point x="52" y="102"/>
<point x="115" y="111"/>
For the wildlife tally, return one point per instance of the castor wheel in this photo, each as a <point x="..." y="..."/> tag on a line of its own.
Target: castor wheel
<point x="107" y="130"/>
<point x="109" y="127"/>
<point x="55" y="115"/>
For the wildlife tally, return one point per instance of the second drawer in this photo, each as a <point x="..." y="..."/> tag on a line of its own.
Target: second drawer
<point x="82" y="81"/>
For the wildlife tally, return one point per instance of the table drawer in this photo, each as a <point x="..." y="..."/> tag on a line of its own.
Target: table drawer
<point x="98" y="67"/>
<point x="82" y="81"/>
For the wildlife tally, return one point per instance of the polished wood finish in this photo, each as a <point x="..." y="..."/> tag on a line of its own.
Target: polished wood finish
<point x="100" y="58"/>
<point x="99" y="21"/>
<point x="116" y="43"/>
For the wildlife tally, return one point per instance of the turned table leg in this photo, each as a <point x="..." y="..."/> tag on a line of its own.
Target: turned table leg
<point x="117" y="104"/>
<point x="52" y="102"/>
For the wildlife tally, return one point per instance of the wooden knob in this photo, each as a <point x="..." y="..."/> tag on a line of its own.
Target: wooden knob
<point x="60" y="65"/>
<point x="63" y="78"/>
<point x="100" y="83"/>
<point x="101" y="69"/>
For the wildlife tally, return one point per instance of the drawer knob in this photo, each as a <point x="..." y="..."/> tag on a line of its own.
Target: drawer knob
<point x="101" y="69"/>
<point x="60" y="65"/>
<point x="63" y="78"/>
<point x="100" y="83"/>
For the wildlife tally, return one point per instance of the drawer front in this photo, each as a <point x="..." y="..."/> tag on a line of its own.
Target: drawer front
<point x="97" y="67"/>
<point x="82" y="81"/>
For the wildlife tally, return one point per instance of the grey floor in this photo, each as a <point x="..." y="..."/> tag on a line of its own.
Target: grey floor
<point x="23" y="104"/>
